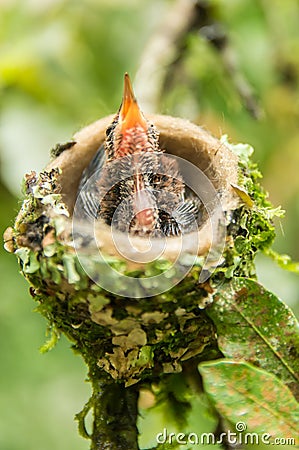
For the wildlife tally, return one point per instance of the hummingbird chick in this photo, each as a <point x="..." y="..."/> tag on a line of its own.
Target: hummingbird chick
<point x="131" y="183"/>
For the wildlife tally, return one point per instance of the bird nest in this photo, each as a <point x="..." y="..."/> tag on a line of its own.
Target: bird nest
<point x="116" y="325"/>
<point x="212" y="170"/>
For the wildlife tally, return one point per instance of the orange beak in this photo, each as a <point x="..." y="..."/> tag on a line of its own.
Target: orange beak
<point x="129" y="114"/>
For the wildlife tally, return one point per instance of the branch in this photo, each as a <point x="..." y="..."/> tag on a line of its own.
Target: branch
<point x="218" y="37"/>
<point x="166" y="50"/>
<point x="161" y="51"/>
<point x="115" y="415"/>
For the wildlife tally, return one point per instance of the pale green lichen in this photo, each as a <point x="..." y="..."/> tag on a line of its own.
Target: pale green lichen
<point x="133" y="338"/>
<point x="126" y="340"/>
<point x="251" y="227"/>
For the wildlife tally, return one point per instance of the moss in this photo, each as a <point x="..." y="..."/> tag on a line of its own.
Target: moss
<point x="132" y="339"/>
<point x="125" y="341"/>
<point x="60" y="148"/>
<point x="251" y="228"/>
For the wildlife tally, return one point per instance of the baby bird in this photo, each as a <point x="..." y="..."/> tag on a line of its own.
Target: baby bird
<point x="131" y="184"/>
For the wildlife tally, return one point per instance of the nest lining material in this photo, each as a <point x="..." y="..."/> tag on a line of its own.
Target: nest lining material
<point x="128" y="336"/>
<point x="177" y="137"/>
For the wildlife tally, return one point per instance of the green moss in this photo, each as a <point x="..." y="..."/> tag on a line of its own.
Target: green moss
<point x="132" y="339"/>
<point x="124" y="340"/>
<point x="251" y="228"/>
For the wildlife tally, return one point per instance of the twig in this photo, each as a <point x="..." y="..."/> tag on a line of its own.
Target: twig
<point x="115" y="414"/>
<point x="218" y="37"/>
<point x="161" y="51"/>
<point x="166" y="50"/>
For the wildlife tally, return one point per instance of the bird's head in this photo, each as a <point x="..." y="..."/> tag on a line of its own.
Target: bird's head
<point x="130" y="132"/>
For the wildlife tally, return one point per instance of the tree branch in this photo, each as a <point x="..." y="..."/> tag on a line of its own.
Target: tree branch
<point x="161" y="50"/>
<point x="115" y="415"/>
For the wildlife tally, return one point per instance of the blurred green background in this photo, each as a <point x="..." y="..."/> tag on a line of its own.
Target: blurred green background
<point x="61" y="67"/>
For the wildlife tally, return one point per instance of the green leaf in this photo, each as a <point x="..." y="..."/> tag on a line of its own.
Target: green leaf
<point x="254" y="325"/>
<point x="244" y="393"/>
<point x="244" y="196"/>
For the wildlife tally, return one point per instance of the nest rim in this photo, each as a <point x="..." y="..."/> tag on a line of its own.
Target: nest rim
<point x="177" y="137"/>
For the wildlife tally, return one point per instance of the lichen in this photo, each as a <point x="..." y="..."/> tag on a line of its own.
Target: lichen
<point x="251" y="227"/>
<point x="132" y="339"/>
